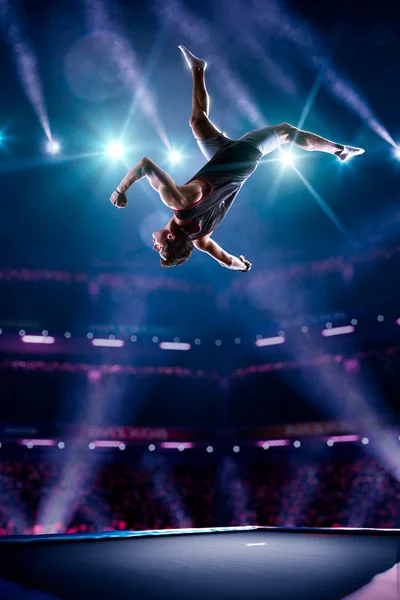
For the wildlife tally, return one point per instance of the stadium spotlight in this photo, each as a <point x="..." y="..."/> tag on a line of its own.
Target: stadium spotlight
<point x="53" y="147"/>
<point x="287" y="158"/>
<point x="175" y="157"/>
<point x="115" y="150"/>
<point x="397" y="153"/>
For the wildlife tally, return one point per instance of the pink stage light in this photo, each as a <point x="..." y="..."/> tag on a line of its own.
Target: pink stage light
<point x="177" y="445"/>
<point x="94" y="375"/>
<point x="273" y="341"/>
<point x="338" y="331"/>
<point x="344" y="438"/>
<point x="398" y="321"/>
<point x="174" y="346"/>
<point x="352" y="365"/>
<point x="106" y="343"/>
<point x="38" y="442"/>
<point x="38" y="339"/>
<point x="107" y="444"/>
<point x="274" y="443"/>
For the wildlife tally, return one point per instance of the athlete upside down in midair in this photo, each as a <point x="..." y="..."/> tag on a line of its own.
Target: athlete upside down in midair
<point x="200" y="205"/>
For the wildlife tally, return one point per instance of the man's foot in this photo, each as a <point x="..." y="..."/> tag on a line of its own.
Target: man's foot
<point x="349" y="152"/>
<point x="192" y="60"/>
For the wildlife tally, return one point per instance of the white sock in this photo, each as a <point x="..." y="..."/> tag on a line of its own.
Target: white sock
<point x="349" y="152"/>
<point x="191" y="59"/>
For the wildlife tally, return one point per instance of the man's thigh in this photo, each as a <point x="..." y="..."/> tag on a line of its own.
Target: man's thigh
<point x="266" y="139"/>
<point x="208" y="137"/>
<point x="210" y="146"/>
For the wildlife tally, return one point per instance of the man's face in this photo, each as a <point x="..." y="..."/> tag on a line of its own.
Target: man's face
<point x="160" y="241"/>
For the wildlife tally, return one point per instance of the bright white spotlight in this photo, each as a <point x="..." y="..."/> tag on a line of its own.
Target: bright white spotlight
<point x="175" y="157"/>
<point x="287" y="158"/>
<point x="115" y="150"/>
<point x="53" y="147"/>
<point x="397" y="153"/>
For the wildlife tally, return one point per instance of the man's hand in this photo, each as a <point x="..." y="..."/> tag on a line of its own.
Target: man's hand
<point x="247" y="264"/>
<point x="224" y="258"/>
<point x="119" y="200"/>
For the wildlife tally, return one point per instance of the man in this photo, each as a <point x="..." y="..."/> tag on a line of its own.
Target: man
<point x="385" y="586"/>
<point x="200" y="205"/>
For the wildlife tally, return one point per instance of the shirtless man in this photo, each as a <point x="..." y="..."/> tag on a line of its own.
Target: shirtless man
<point x="200" y="205"/>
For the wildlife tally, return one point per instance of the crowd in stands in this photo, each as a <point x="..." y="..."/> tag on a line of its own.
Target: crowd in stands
<point x="39" y="494"/>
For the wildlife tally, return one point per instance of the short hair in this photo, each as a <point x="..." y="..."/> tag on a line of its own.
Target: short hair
<point x="178" y="250"/>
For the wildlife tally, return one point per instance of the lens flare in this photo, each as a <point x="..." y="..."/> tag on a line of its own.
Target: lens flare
<point x="286" y="158"/>
<point x="115" y="150"/>
<point x="53" y="147"/>
<point x="175" y="157"/>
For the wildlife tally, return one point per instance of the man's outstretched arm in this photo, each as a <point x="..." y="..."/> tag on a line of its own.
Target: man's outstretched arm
<point x="224" y="258"/>
<point x="158" y="179"/>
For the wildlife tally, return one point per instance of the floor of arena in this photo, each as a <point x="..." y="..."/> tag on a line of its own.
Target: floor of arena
<point x="224" y="563"/>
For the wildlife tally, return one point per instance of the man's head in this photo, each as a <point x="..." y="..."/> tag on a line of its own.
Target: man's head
<point x="174" y="247"/>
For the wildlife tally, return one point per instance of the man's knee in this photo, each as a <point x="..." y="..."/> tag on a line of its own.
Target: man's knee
<point x="197" y="119"/>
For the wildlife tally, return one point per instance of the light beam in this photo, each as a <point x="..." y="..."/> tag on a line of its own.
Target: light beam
<point x="199" y="32"/>
<point x="272" y="20"/>
<point x="324" y="206"/>
<point x="127" y="64"/>
<point x="26" y="63"/>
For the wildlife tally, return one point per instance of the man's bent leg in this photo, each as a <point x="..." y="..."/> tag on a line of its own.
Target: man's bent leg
<point x="314" y="143"/>
<point x="209" y="138"/>
<point x="199" y="122"/>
